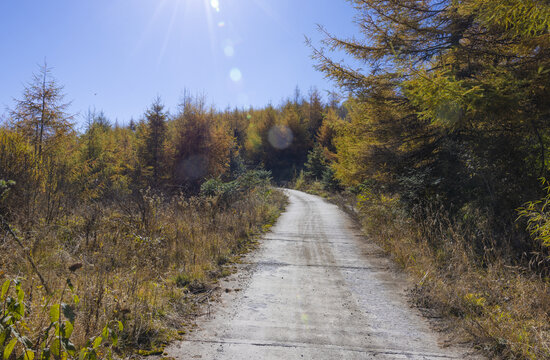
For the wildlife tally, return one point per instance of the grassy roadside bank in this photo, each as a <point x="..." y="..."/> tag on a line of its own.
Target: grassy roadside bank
<point x="146" y="267"/>
<point x="503" y="309"/>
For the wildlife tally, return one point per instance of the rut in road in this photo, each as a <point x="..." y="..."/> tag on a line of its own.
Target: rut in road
<point x="315" y="289"/>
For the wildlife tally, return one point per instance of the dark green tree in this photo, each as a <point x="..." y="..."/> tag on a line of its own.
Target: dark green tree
<point x="315" y="112"/>
<point x="316" y="163"/>
<point x="154" y="156"/>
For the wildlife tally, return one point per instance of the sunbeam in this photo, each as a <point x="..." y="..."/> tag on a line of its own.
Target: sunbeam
<point x="150" y="25"/>
<point x="177" y="10"/>
<point x="168" y="34"/>
<point x="268" y="10"/>
<point x="208" y="6"/>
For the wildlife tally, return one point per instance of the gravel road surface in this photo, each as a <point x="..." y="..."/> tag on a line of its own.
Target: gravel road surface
<point x="314" y="289"/>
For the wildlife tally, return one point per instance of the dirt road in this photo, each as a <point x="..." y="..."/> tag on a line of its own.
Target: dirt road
<point x="315" y="289"/>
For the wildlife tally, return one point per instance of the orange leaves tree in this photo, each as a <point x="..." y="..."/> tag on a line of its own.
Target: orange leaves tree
<point x="447" y="101"/>
<point x="199" y="145"/>
<point x="40" y="120"/>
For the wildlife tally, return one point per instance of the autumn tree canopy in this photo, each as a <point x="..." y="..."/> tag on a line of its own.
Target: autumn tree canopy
<point x="449" y="106"/>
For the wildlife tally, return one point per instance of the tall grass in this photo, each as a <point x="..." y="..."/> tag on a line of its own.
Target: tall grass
<point x="137" y="262"/>
<point x="501" y="307"/>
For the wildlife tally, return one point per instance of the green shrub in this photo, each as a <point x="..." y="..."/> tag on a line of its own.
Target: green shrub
<point x="537" y="214"/>
<point x="53" y="342"/>
<point x="329" y="181"/>
<point x="300" y="182"/>
<point x="226" y="190"/>
<point x="316" y="164"/>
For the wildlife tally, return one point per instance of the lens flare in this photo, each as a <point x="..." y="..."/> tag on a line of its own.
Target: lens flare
<point x="229" y="50"/>
<point x="235" y="75"/>
<point x="194" y="167"/>
<point x="280" y="137"/>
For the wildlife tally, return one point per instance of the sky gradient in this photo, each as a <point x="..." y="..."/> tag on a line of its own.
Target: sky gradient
<point x="118" y="55"/>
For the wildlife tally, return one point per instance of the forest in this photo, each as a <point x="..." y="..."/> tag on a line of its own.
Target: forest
<point x="132" y="220"/>
<point x="437" y="145"/>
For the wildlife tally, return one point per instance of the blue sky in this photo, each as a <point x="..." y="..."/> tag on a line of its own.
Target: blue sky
<point x="118" y="55"/>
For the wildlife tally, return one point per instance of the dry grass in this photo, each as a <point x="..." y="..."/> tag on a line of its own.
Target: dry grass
<point x="504" y="310"/>
<point x="311" y="187"/>
<point x="138" y="264"/>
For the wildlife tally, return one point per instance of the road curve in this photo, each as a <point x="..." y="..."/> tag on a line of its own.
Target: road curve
<point x="316" y="289"/>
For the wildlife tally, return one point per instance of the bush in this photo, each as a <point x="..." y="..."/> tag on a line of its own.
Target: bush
<point x="329" y="181"/>
<point x="537" y="214"/>
<point x="316" y="164"/>
<point x="300" y="181"/>
<point x="212" y="187"/>
<point x="227" y="190"/>
<point x="54" y="341"/>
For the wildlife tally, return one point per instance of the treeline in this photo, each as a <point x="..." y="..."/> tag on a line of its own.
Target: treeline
<point x="55" y="167"/>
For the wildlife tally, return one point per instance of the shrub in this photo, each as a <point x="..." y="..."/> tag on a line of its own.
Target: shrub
<point x="329" y="181"/>
<point x="537" y="214"/>
<point x="227" y="190"/>
<point x="54" y="341"/>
